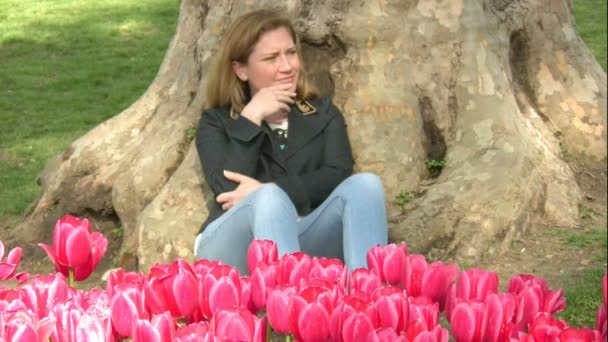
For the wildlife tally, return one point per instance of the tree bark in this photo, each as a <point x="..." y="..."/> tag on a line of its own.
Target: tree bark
<point x="502" y="90"/>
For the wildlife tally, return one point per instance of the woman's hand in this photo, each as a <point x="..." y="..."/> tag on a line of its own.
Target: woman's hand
<point x="269" y="101"/>
<point x="246" y="186"/>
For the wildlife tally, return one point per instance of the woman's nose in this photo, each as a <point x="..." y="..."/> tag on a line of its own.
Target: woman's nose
<point x="285" y="63"/>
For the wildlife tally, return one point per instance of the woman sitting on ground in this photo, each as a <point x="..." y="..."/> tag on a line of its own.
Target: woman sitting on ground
<point x="277" y="157"/>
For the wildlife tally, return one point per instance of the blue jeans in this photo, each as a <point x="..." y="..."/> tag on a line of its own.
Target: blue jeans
<point x="349" y="222"/>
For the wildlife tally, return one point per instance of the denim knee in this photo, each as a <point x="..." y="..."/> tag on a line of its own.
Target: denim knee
<point x="270" y="198"/>
<point x="366" y="183"/>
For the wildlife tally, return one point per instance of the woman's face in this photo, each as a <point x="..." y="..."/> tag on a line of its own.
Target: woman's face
<point x="274" y="61"/>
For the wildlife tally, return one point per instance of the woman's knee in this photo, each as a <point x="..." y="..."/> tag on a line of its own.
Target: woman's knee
<point x="366" y="183"/>
<point x="271" y="197"/>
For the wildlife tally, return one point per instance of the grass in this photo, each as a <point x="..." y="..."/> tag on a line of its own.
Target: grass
<point x="590" y="18"/>
<point x="68" y="65"/>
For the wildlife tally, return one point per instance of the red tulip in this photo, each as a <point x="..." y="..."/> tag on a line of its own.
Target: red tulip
<point x="261" y="251"/>
<point x="277" y="306"/>
<point x="8" y="266"/>
<point x="363" y="280"/>
<point x="172" y="288"/>
<point x="120" y="276"/>
<point x="74" y="247"/>
<point x="238" y="324"/>
<point x="160" y="329"/>
<point x="387" y="335"/>
<point x="219" y="289"/>
<point x="388" y="262"/>
<point x="392" y="306"/>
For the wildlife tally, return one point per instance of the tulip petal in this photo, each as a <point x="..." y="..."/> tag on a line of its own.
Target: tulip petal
<point x="463" y="323"/>
<point x="78" y="247"/>
<point x="124" y="313"/>
<point x="185" y="293"/>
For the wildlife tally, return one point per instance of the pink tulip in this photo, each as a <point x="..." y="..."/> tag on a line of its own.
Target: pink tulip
<point x="533" y="296"/>
<point x="74" y="247"/>
<point x="121" y="276"/>
<point x="392" y="306"/>
<point x="245" y="296"/>
<point x="388" y="262"/>
<point x="601" y="320"/>
<point x="423" y="317"/>
<point x="74" y="324"/>
<point x="329" y="268"/>
<point x="8" y="266"/>
<point x="194" y="332"/>
<point x="172" y="288"/>
<point x="357" y="304"/>
<point x="309" y="313"/>
<point x="261" y="251"/>
<point x="363" y="280"/>
<point x="294" y="269"/>
<point x="44" y="292"/>
<point x="219" y="289"/>
<point x="546" y="328"/>
<point x="160" y="329"/>
<point x="468" y="322"/>
<point x="387" y="335"/>
<point x="263" y="277"/>
<point x="584" y="334"/>
<point x="438" y="334"/>
<point x="236" y="324"/>
<point x="500" y="312"/>
<point x="476" y="284"/>
<point x="429" y="280"/>
<point x="19" y="324"/>
<point x="277" y="306"/>
<point x="127" y="306"/>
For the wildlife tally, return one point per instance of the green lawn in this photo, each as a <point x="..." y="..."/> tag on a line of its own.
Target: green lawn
<point x="67" y="65"/>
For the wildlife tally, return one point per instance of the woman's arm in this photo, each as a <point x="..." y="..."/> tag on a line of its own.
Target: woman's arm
<point x="234" y="148"/>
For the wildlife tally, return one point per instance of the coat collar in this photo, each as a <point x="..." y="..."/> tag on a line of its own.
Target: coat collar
<point x="306" y="120"/>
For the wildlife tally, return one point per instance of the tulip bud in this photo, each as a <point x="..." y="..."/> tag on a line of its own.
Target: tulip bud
<point x="261" y="251"/>
<point x="74" y="247"/>
<point x="388" y="262"/>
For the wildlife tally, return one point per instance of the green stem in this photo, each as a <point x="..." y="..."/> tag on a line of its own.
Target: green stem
<point x="71" y="277"/>
<point x="287" y="338"/>
<point x="268" y="330"/>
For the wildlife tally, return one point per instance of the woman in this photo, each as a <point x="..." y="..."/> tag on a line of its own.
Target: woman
<point x="278" y="158"/>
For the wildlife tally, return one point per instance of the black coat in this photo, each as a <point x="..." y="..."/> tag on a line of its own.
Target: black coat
<point x="317" y="157"/>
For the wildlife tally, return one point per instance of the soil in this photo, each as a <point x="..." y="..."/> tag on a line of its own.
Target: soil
<point x="544" y="252"/>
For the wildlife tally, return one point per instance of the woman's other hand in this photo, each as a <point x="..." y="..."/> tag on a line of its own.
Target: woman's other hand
<point x="269" y="101"/>
<point x="246" y="186"/>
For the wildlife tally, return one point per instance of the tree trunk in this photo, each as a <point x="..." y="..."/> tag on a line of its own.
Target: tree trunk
<point x="501" y="91"/>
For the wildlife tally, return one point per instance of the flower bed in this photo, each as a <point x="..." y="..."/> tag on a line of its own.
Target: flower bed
<point x="399" y="297"/>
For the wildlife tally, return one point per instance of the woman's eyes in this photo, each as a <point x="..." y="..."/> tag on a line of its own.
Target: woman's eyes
<point x="273" y="57"/>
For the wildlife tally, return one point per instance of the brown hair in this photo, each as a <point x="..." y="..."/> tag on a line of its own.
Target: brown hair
<point x="224" y="88"/>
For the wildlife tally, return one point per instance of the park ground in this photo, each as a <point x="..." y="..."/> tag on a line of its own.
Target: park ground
<point x="67" y="66"/>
